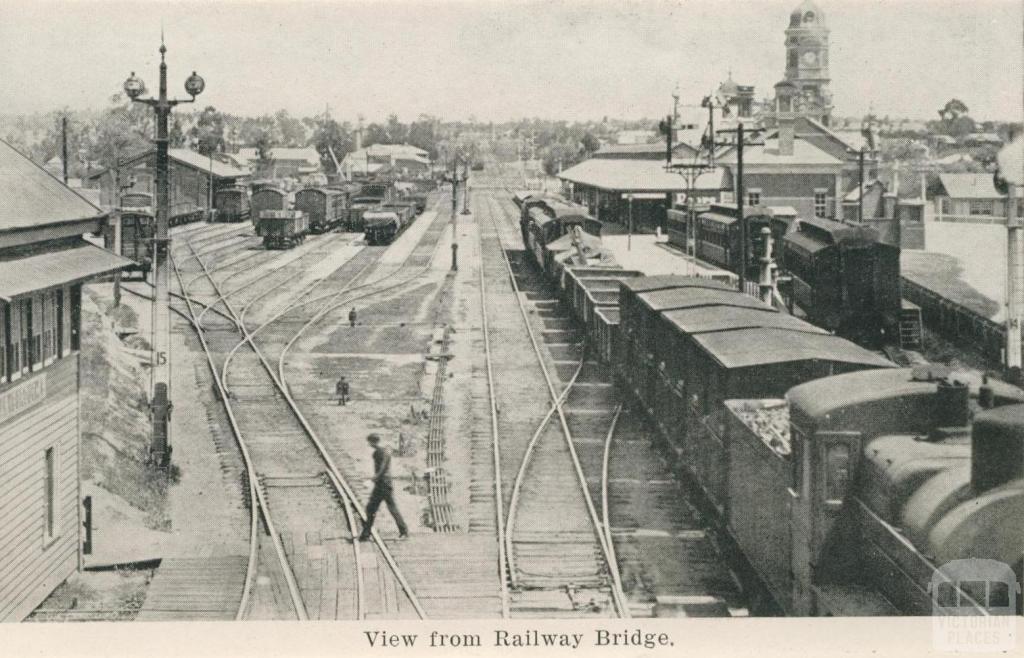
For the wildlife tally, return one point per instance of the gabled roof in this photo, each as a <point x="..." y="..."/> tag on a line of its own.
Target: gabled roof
<point x="625" y="175"/>
<point x="854" y="194"/>
<point x="655" y="151"/>
<point x="306" y="154"/>
<point x="187" y="158"/>
<point x="804" y="153"/>
<point x="971" y="186"/>
<point x="30" y="196"/>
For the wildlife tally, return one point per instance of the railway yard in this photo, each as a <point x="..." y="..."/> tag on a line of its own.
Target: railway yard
<point x="532" y="489"/>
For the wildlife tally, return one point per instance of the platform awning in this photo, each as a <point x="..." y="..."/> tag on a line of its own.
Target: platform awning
<point x="28" y="274"/>
<point x="641" y="176"/>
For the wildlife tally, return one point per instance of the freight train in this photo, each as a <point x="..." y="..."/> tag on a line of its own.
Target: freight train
<point x="849" y="485"/>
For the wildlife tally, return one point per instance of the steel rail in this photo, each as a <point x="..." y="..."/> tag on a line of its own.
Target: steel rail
<point x="617" y="596"/>
<point x="513" y="505"/>
<point x="258" y="505"/>
<point x="337" y="479"/>
<point x="499" y="503"/>
<point x="605" y="507"/>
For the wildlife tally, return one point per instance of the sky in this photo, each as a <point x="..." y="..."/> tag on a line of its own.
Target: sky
<point x="573" y="60"/>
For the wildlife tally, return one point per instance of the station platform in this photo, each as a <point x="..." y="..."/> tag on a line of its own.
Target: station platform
<point x="653" y="255"/>
<point x="962" y="263"/>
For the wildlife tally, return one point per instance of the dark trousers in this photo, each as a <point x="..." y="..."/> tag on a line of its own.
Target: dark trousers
<point x="383" y="493"/>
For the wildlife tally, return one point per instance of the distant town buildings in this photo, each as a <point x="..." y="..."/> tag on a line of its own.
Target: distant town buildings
<point x="403" y="159"/>
<point x="283" y="162"/>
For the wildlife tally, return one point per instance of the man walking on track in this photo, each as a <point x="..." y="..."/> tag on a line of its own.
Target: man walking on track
<point x="382" y="490"/>
<point x="342" y="391"/>
<point x="352" y="317"/>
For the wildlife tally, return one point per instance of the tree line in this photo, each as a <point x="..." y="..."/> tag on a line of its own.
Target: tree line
<point x="99" y="139"/>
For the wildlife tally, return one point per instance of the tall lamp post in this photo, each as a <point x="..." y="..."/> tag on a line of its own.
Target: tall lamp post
<point x="160" y="368"/>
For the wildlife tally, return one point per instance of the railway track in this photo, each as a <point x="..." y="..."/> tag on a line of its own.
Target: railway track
<point x="667" y="558"/>
<point x="555" y="552"/>
<point x="295" y="475"/>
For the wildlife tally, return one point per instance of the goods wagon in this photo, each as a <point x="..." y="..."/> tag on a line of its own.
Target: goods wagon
<point x="267" y="198"/>
<point x="283" y="229"/>
<point x="231" y="204"/>
<point x="325" y="207"/>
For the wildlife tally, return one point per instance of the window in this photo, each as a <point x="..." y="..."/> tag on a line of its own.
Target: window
<point x="820" y="203"/>
<point x="50" y="493"/>
<point x="754" y="197"/>
<point x="35" y="322"/>
<point x="984" y="207"/>
<point x="946" y="595"/>
<point x="791" y="59"/>
<point x="4" y="347"/>
<point x="75" y="323"/>
<point x="837" y="473"/>
<point x="998" y="594"/>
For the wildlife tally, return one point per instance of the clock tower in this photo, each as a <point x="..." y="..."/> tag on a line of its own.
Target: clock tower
<point x="806" y="82"/>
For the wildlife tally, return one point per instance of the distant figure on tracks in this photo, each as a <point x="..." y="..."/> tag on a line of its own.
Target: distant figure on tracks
<point x="342" y="391"/>
<point x="352" y="317"/>
<point x="382" y="490"/>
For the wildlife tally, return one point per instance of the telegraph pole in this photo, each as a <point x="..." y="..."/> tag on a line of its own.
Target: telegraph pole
<point x="1015" y="281"/>
<point x="739" y="206"/>
<point x="860" y="187"/>
<point x="160" y="367"/>
<point x="64" y="145"/>
<point x="465" y="187"/>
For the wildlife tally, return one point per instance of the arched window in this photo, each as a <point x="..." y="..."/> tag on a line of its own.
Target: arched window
<point x="809" y="17"/>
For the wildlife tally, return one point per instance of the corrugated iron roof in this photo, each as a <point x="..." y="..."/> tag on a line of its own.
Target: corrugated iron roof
<point x="707" y="319"/>
<point x="625" y="175"/>
<point x="30" y="196"/>
<point x="803" y="243"/>
<point x="804" y="153"/>
<point x="661" y="300"/>
<point x="663" y="281"/>
<point x="21" y="276"/>
<point x="763" y="346"/>
<point x="718" y="217"/>
<point x="188" y="158"/>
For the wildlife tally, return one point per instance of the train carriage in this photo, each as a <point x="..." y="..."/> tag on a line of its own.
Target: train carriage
<point x="283" y="229"/>
<point x="264" y="198"/>
<point x="845" y="279"/>
<point x="325" y="207"/>
<point x="231" y="204"/>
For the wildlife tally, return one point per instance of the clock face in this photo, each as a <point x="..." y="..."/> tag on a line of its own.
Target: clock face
<point x="810" y="59"/>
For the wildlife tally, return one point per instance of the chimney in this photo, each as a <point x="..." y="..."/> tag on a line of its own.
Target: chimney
<point x="359" y="138"/>
<point x="787" y="133"/>
<point x="889" y="199"/>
